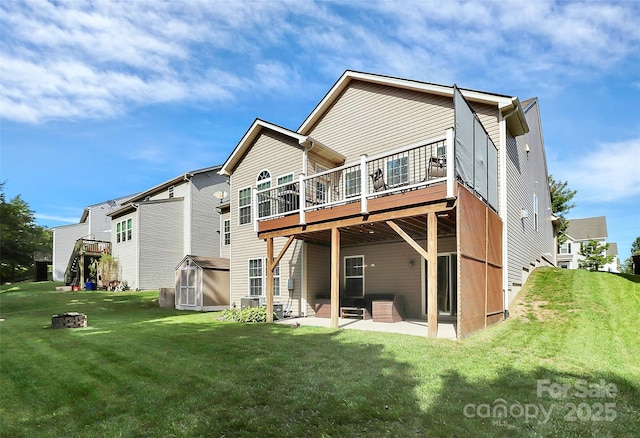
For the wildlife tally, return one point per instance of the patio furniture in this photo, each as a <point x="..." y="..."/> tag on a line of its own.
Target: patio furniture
<point x="354" y="312"/>
<point x="378" y="180"/>
<point x="385" y="308"/>
<point x="437" y="167"/>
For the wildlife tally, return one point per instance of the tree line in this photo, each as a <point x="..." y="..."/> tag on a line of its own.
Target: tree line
<point x="20" y="238"/>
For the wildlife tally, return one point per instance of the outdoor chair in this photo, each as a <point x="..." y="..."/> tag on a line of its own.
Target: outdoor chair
<point x="378" y="180"/>
<point x="437" y="167"/>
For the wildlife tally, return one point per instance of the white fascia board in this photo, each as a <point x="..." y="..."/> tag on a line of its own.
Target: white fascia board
<point x="501" y="102"/>
<point x="248" y="138"/>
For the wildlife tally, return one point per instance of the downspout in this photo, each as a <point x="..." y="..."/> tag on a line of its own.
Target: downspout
<point x="137" y="275"/>
<point x="188" y="206"/>
<point x="504" y="211"/>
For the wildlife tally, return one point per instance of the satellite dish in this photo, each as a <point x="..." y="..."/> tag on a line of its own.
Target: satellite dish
<point x="220" y="195"/>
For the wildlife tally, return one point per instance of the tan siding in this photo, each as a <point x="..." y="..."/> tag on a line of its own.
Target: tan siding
<point x="225" y="250"/>
<point x="318" y="263"/>
<point x="370" y="118"/>
<point x="279" y="155"/>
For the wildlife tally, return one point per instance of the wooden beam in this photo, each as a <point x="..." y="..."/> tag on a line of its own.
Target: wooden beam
<point x="432" y="274"/>
<point x="282" y="252"/>
<point x="408" y="239"/>
<point x="335" y="276"/>
<point x="269" y="280"/>
<point x="357" y="220"/>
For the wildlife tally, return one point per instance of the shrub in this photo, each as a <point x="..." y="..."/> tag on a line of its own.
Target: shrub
<point x="248" y="314"/>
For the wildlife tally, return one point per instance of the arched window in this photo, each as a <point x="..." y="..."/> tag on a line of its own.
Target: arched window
<point x="263" y="182"/>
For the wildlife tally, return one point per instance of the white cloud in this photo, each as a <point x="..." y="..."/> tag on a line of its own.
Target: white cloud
<point x="98" y="59"/>
<point x="609" y="173"/>
<point x="55" y="218"/>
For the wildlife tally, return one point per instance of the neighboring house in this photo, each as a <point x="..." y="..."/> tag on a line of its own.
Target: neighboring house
<point x="157" y="228"/>
<point x="580" y="231"/>
<point x="429" y="197"/>
<point x="95" y="224"/>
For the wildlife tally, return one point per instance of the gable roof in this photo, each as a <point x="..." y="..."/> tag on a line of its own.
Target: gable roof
<point x="587" y="228"/>
<point x="165" y="185"/>
<point x="508" y="105"/>
<point x="205" y="262"/>
<point x="254" y="132"/>
<point x="613" y="249"/>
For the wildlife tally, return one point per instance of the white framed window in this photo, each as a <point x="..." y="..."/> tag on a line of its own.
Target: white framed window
<point x="565" y="248"/>
<point x="535" y="211"/>
<point x="124" y="230"/>
<point x="263" y="182"/>
<point x="276" y="281"/>
<point x="285" y="179"/>
<point x="352" y="183"/>
<point x="244" y="206"/>
<point x="398" y="171"/>
<point x="170" y="191"/>
<point x="256" y="277"/>
<point x="354" y="276"/>
<point x="226" y="232"/>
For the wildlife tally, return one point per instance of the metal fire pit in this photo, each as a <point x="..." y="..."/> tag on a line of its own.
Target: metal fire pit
<point x="69" y="320"/>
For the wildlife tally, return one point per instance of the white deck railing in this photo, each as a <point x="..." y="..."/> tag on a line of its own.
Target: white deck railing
<point x="402" y="169"/>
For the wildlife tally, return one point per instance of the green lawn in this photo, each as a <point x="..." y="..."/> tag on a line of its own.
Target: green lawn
<point x="139" y="370"/>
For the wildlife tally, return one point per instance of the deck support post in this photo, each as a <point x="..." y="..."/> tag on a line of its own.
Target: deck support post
<point x="269" y="279"/>
<point x="432" y="274"/>
<point x="335" y="276"/>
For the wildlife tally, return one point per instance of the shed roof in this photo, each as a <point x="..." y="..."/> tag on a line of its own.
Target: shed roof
<point x="206" y="262"/>
<point x="587" y="228"/>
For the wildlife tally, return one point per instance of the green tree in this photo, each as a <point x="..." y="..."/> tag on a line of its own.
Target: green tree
<point x="594" y="255"/>
<point x="627" y="266"/>
<point x="19" y="238"/>
<point x="561" y="197"/>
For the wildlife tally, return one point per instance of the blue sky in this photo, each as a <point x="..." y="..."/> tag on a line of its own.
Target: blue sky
<point x="104" y="99"/>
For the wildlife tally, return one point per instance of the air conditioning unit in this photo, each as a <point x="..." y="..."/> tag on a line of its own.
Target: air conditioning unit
<point x="252" y="302"/>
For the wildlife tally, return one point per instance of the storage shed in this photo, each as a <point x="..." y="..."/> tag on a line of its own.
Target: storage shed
<point x="202" y="283"/>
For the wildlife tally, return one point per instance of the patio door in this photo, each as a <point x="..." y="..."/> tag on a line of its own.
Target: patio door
<point x="187" y="294"/>
<point x="447" y="286"/>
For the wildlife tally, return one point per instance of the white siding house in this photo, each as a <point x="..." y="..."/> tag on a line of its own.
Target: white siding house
<point x="580" y="231"/>
<point x="95" y="224"/>
<point x="160" y="226"/>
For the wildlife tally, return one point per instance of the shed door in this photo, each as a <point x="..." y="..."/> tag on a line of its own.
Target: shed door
<point x="187" y="286"/>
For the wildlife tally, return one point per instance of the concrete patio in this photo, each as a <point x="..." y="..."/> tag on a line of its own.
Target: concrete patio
<point x="407" y="327"/>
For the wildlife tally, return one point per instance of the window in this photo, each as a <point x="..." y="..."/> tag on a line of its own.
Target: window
<point x="352" y="183"/>
<point x="255" y="277"/>
<point x="263" y="182"/>
<point x="276" y="281"/>
<point x="170" y="191"/>
<point x="285" y="179"/>
<point x="354" y="276"/>
<point x="535" y="212"/>
<point x="258" y="276"/>
<point x="565" y="248"/>
<point x="322" y="185"/>
<point x="398" y="171"/>
<point x="244" y="206"/>
<point x="124" y="230"/>
<point x="226" y="232"/>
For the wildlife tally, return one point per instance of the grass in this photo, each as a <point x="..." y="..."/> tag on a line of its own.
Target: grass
<point x="140" y="370"/>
